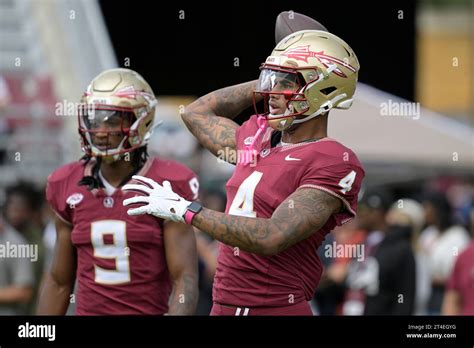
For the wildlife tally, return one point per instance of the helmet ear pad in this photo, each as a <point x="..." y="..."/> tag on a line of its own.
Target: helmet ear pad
<point x="141" y="127"/>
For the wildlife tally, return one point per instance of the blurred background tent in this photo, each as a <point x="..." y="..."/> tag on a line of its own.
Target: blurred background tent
<point x="408" y="143"/>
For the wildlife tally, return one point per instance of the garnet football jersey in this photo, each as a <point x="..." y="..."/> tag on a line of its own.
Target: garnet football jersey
<point x="121" y="264"/>
<point x="256" y="190"/>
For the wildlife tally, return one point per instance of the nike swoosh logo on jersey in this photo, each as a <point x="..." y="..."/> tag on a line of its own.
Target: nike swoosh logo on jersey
<point x="288" y="158"/>
<point x="248" y="140"/>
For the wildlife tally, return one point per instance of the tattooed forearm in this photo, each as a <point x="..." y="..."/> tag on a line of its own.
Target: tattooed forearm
<point x="183" y="299"/>
<point x="300" y="215"/>
<point x="209" y="118"/>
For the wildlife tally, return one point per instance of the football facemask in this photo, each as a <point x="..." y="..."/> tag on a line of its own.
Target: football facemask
<point x="279" y="87"/>
<point x="105" y="131"/>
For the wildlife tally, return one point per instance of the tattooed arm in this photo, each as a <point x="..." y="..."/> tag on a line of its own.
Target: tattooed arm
<point x="181" y="257"/>
<point x="300" y="215"/>
<point x="209" y="118"/>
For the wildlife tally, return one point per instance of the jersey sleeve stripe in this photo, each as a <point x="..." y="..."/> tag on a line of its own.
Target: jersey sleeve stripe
<point x="62" y="218"/>
<point x="322" y="188"/>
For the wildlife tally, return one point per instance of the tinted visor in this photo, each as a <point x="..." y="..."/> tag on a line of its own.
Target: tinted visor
<point x="277" y="81"/>
<point x="107" y="119"/>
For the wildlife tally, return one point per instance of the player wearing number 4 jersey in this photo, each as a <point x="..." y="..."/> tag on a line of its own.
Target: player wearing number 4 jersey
<point x="292" y="183"/>
<point x="123" y="265"/>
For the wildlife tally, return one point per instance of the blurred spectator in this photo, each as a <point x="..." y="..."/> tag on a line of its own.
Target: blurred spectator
<point x="459" y="295"/>
<point x="4" y="128"/>
<point x="471" y="219"/>
<point x="16" y="274"/>
<point x="411" y="212"/>
<point x="396" y="262"/>
<point x="461" y="195"/>
<point x="330" y="292"/>
<point x="383" y="283"/>
<point x="441" y="242"/>
<point x="327" y="294"/>
<point x="394" y="293"/>
<point x="23" y="211"/>
<point x="207" y="249"/>
<point x="4" y="93"/>
<point x="363" y="275"/>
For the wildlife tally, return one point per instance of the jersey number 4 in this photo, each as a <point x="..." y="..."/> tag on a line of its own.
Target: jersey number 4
<point x="117" y="251"/>
<point x="347" y="181"/>
<point x="242" y="205"/>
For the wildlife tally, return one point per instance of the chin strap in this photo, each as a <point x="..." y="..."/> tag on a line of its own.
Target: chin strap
<point x="323" y="108"/>
<point x="250" y="152"/>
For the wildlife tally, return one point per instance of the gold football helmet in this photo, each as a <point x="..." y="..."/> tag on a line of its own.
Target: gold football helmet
<point x="314" y="70"/>
<point x="118" y="102"/>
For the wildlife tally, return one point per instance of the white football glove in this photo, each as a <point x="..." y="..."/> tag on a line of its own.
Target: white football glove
<point x="160" y="201"/>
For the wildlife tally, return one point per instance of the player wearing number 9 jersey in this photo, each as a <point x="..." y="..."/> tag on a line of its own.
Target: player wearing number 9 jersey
<point x="123" y="266"/>
<point x="292" y="183"/>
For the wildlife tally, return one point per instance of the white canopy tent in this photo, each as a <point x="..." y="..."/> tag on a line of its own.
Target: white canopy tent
<point x="400" y="141"/>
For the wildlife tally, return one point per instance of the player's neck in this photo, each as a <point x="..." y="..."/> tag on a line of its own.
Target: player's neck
<point x="313" y="129"/>
<point x="116" y="172"/>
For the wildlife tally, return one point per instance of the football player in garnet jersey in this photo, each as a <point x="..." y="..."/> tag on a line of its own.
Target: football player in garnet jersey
<point x="123" y="265"/>
<point x="298" y="185"/>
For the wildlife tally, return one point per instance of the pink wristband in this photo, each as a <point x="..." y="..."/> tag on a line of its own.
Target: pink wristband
<point x="188" y="216"/>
